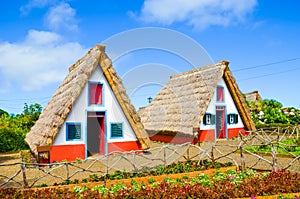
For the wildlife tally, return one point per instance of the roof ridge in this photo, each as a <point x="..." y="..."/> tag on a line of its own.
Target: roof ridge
<point x="200" y="69"/>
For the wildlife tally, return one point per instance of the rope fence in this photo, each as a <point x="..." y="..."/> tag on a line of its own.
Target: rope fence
<point x="237" y="150"/>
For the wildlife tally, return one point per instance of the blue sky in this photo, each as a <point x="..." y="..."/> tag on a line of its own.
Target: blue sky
<point x="40" y="39"/>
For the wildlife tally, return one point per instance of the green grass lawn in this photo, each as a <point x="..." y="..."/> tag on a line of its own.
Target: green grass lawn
<point x="289" y="146"/>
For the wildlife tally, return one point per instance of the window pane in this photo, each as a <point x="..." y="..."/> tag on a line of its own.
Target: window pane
<point x="116" y="130"/>
<point x="73" y="131"/>
<point x="95" y="93"/>
<point x="208" y="119"/>
<point x="236" y="120"/>
<point x="232" y="118"/>
<point x="220" y="94"/>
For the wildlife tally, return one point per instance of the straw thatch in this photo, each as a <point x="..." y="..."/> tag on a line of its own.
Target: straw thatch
<point x="181" y="104"/>
<point x="253" y="96"/>
<point x="58" y="108"/>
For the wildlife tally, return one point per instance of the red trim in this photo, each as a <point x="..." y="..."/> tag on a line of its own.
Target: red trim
<point x="102" y="137"/>
<point x="172" y="139"/>
<point x="204" y="136"/>
<point x="124" y="146"/>
<point x="67" y="152"/>
<point x="95" y="93"/>
<point x="233" y="132"/>
<point x="220" y="94"/>
<point x="220" y="122"/>
<point x="207" y="135"/>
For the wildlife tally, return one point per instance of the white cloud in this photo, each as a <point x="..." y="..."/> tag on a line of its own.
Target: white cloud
<point x="61" y="16"/>
<point x="41" y="59"/>
<point x="197" y="13"/>
<point x="35" y="4"/>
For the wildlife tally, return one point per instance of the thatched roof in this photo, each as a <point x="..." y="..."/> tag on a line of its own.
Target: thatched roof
<point x="58" y="108"/>
<point x="181" y="104"/>
<point x="253" y="96"/>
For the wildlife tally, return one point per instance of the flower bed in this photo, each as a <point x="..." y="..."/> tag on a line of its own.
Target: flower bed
<point x="226" y="184"/>
<point x="174" y="168"/>
<point x="149" y="179"/>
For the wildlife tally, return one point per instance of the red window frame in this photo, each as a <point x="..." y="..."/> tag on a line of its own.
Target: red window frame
<point x="220" y="94"/>
<point x="95" y="93"/>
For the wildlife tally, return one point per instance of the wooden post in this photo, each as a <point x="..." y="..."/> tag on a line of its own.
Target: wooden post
<point x="274" y="157"/>
<point x="67" y="168"/>
<point x="188" y="153"/>
<point x="134" y="161"/>
<point x="243" y="166"/>
<point x="25" y="183"/>
<point x="165" y="162"/>
<point x="106" y="164"/>
<point x="212" y="156"/>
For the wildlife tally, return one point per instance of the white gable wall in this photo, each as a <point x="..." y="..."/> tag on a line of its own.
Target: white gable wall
<point x="230" y="108"/>
<point x="113" y="113"/>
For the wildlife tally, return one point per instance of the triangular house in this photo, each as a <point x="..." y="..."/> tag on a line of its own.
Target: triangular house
<point x="198" y="105"/>
<point x="90" y="113"/>
<point x="253" y="96"/>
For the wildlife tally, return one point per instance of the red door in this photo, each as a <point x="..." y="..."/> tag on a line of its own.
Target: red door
<point x="96" y="133"/>
<point x="220" y="122"/>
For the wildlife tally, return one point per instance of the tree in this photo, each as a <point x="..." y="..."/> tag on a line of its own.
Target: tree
<point x="13" y="128"/>
<point x="272" y="112"/>
<point x="3" y="112"/>
<point x="30" y="115"/>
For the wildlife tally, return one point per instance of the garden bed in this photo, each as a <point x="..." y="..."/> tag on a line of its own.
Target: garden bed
<point x="150" y="179"/>
<point x="217" y="183"/>
<point x="285" y="148"/>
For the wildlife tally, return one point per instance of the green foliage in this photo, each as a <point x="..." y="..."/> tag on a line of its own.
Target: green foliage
<point x="231" y="184"/>
<point x="13" y="128"/>
<point x="289" y="146"/>
<point x="12" y="140"/>
<point x="3" y="112"/>
<point x="267" y="113"/>
<point x="27" y="157"/>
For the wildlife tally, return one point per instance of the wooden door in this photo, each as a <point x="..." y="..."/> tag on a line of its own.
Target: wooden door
<point x="220" y="122"/>
<point x="95" y="133"/>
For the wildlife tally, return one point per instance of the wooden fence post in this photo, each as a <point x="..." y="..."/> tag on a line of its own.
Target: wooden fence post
<point x="106" y="164"/>
<point x="25" y="183"/>
<point x="67" y="168"/>
<point x="274" y="157"/>
<point x="243" y="164"/>
<point x="165" y="161"/>
<point x="212" y="156"/>
<point x="188" y="153"/>
<point x="134" y="161"/>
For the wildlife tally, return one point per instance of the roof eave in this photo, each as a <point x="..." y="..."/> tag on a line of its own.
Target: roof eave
<point x="238" y="99"/>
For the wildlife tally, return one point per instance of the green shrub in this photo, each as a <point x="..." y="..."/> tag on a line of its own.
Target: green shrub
<point x="12" y="140"/>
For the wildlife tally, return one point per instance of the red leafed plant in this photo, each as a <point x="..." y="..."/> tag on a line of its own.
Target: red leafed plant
<point x="221" y="186"/>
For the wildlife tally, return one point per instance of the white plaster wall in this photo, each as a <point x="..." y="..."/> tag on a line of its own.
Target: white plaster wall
<point x="230" y="108"/>
<point x="113" y="113"/>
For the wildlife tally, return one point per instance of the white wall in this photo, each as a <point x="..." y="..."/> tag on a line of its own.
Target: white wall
<point x="113" y="113"/>
<point x="230" y="108"/>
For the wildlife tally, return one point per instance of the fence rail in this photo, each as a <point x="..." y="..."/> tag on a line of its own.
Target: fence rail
<point x="236" y="150"/>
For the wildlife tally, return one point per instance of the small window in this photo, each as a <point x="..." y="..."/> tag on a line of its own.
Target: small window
<point x="116" y="130"/>
<point x="232" y="118"/>
<point x="220" y="94"/>
<point x="73" y="131"/>
<point x="209" y="119"/>
<point x="95" y="93"/>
